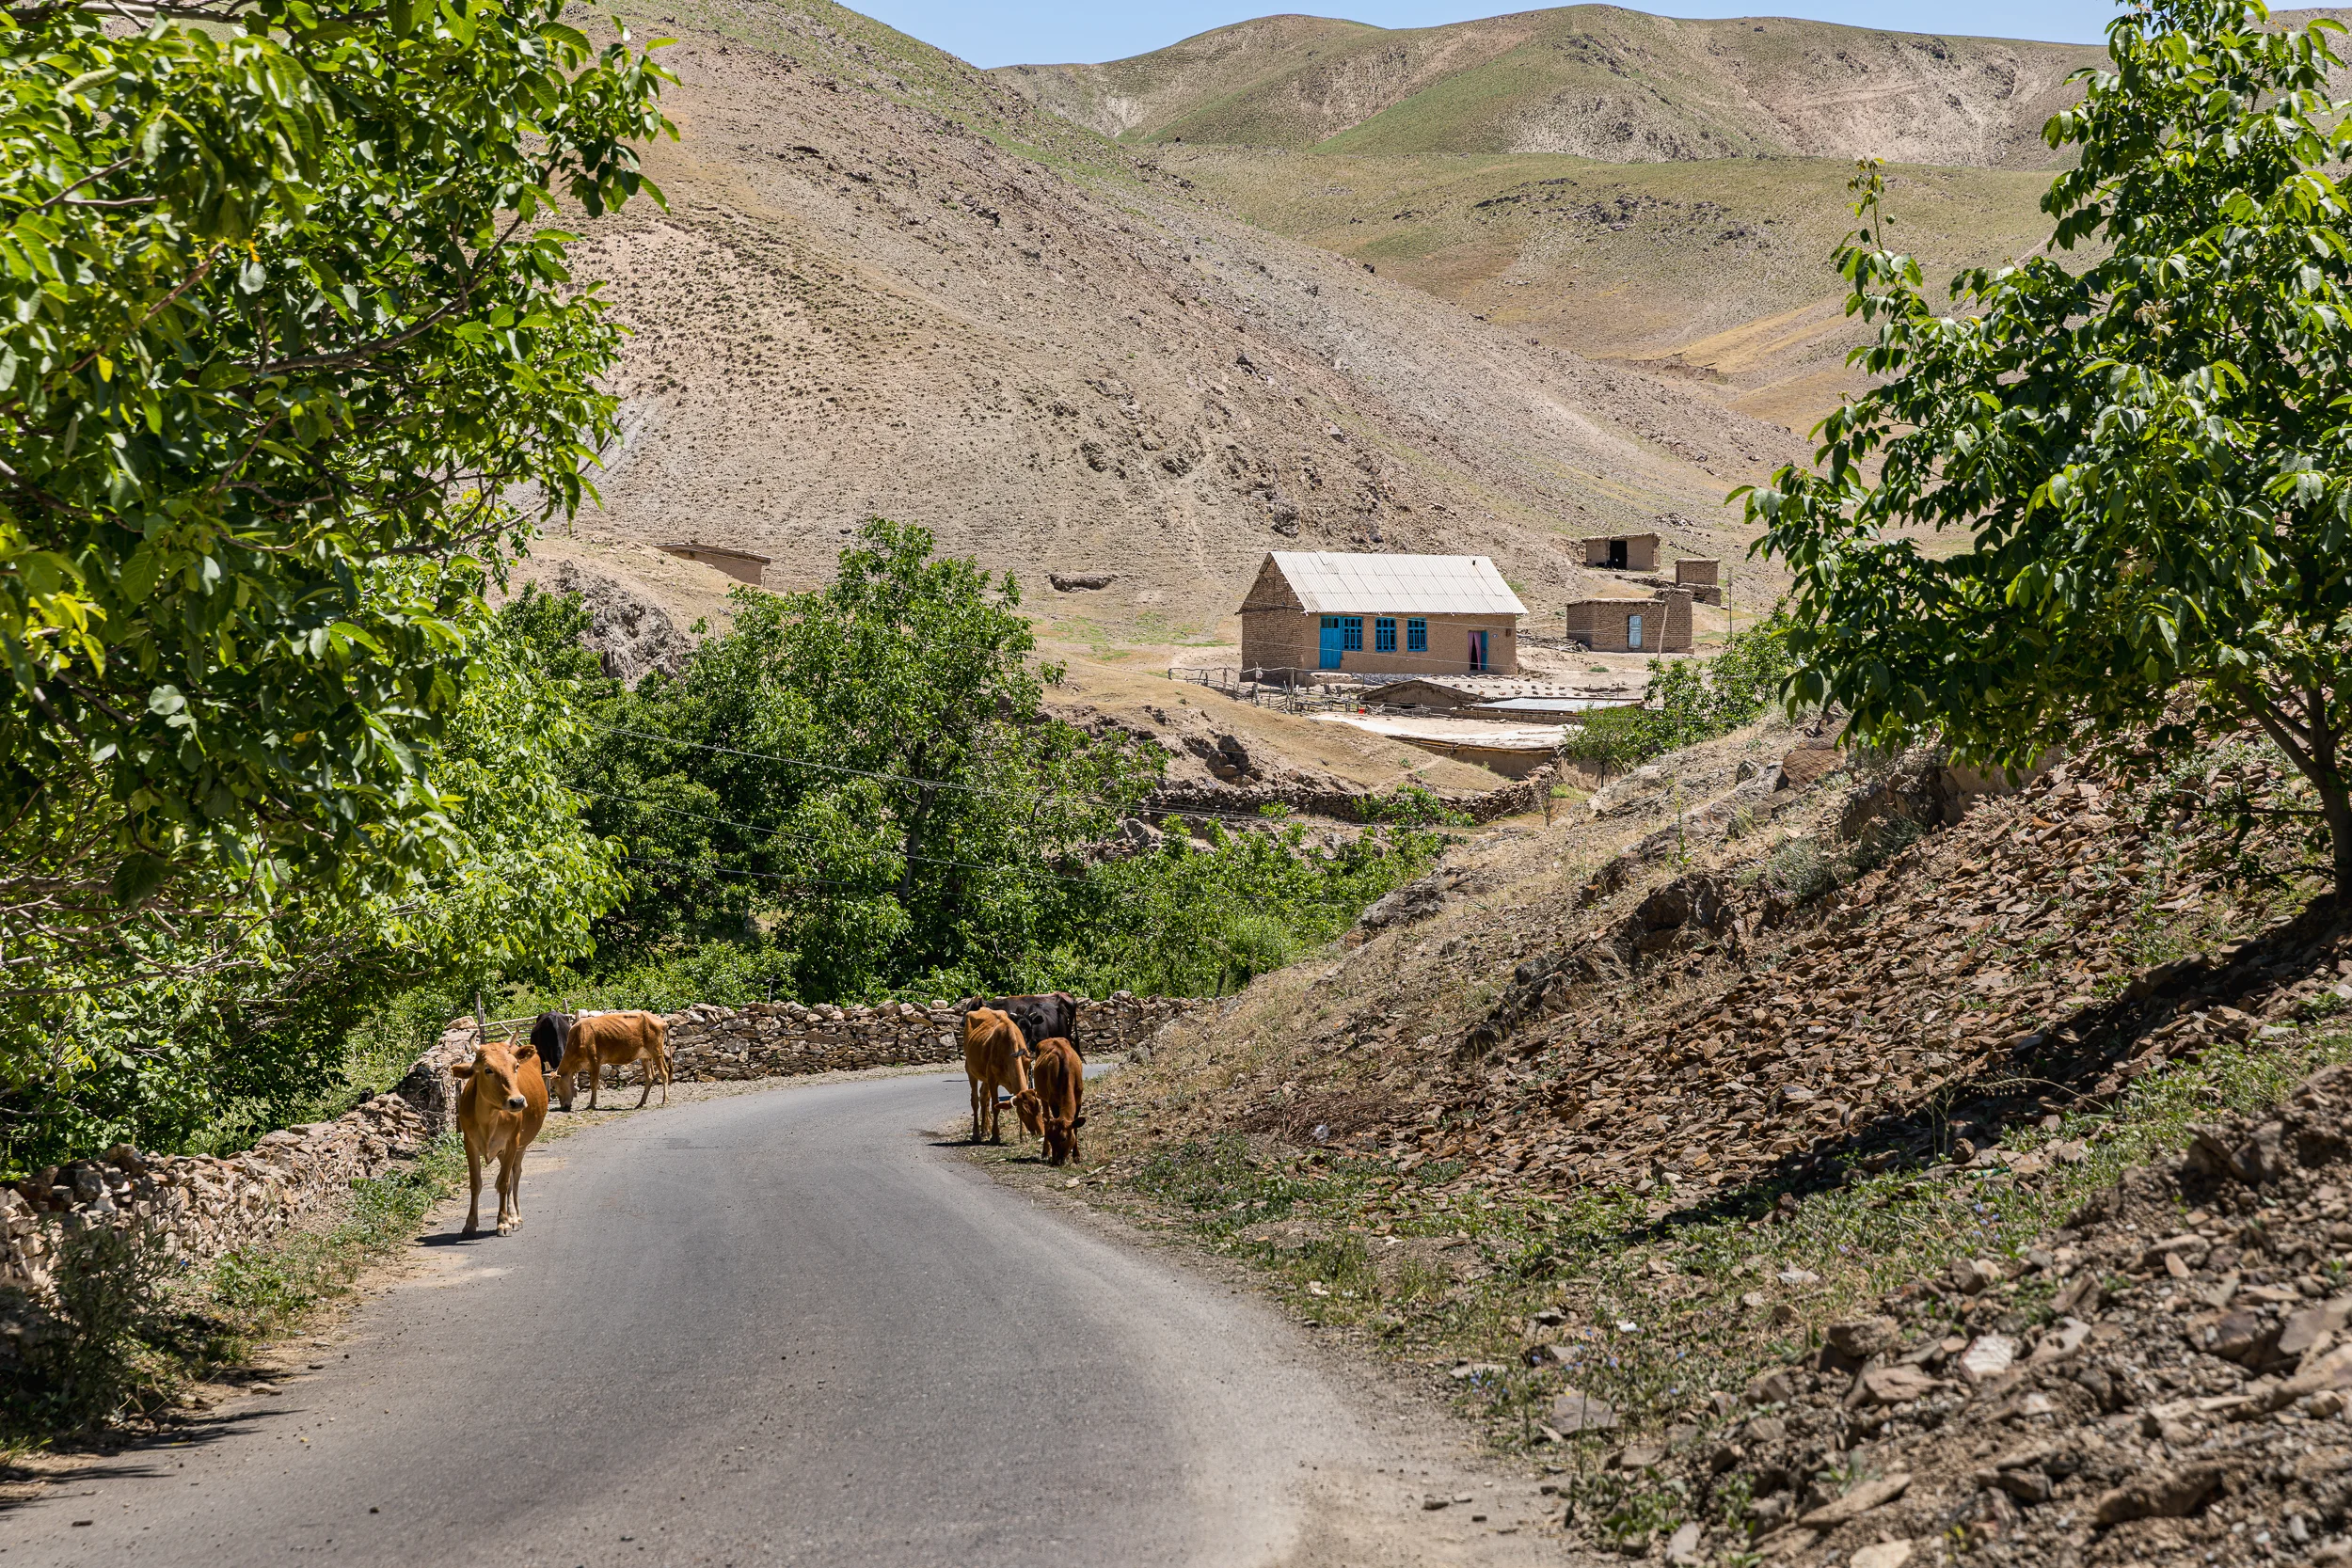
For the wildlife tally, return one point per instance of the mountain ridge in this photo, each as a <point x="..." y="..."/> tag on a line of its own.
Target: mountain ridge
<point x="1595" y="81"/>
<point x="888" y="284"/>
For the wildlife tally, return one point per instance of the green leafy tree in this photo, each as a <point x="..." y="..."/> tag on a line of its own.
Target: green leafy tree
<point x="1203" y="919"/>
<point x="158" y="1042"/>
<point x="2148" y="456"/>
<point x="864" y="776"/>
<point x="1690" y="700"/>
<point x="280" y="306"/>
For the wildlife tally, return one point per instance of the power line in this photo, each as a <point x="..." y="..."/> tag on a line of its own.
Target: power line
<point x="753" y="828"/>
<point x="1138" y="810"/>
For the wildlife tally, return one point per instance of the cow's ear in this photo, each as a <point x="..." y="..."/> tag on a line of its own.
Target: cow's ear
<point x="1076" y="1125"/>
<point x="461" y="1069"/>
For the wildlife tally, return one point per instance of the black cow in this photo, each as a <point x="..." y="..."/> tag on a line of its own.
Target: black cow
<point x="1054" y="1015"/>
<point x="548" y="1034"/>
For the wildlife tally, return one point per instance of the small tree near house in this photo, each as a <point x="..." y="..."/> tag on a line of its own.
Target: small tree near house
<point x="2150" y="455"/>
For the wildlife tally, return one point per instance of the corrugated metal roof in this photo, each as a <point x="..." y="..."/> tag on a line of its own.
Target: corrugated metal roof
<point x="1329" y="583"/>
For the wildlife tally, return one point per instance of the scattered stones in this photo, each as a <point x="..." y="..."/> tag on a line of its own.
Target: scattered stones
<point x="2163" y="1495"/>
<point x="1806" y="1031"/>
<point x="1990" y="1355"/>
<point x="1574" y="1412"/>
<point x="1854" y="1504"/>
<point x="1894" y="1386"/>
<point x="2193" y="1410"/>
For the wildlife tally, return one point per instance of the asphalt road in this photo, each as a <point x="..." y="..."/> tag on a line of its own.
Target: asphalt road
<point x="778" y="1327"/>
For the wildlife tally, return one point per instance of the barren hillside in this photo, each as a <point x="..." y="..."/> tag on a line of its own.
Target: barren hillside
<point x="1595" y="81"/>
<point x="888" y="284"/>
<point x="1716" y="274"/>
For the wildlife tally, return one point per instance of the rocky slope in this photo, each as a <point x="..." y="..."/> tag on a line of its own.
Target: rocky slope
<point x="1848" y="1164"/>
<point x="1595" y="81"/>
<point x="2163" y="1379"/>
<point x="886" y="283"/>
<point x="1708" y="1011"/>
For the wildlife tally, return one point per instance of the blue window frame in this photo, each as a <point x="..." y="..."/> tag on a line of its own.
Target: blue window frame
<point x="1384" y="635"/>
<point x="1416" y="635"/>
<point x="1352" y="633"/>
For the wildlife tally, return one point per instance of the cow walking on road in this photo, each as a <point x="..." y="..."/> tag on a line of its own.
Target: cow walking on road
<point x="593" y="1042"/>
<point x="1060" y="1079"/>
<point x="996" y="1056"/>
<point x="501" y="1104"/>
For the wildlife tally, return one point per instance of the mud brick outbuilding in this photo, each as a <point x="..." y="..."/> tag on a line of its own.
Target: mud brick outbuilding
<point x="1659" y="626"/>
<point x="1622" y="552"/>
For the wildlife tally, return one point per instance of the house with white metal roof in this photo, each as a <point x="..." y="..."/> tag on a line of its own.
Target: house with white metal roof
<point x="1380" y="615"/>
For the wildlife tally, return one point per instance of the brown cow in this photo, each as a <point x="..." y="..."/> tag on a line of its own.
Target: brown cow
<point x="1061" y="1092"/>
<point x="594" y="1041"/>
<point x="501" y="1104"/>
<point x="995" y="1055"/>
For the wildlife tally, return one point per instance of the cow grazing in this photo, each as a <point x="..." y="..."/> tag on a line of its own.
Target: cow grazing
<point x="1061" y="1091"/>
<point x="501" y="1104"/>
<point x="594" y="1041"/>
<point x="996" y="1056"/>
<point x="1053" y="1015"/>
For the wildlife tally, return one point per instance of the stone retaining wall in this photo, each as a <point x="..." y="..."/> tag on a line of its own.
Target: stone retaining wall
<point x="200" y="1207"/>
<point x="1206" y="803"/>
<point x="779" y="1039"/>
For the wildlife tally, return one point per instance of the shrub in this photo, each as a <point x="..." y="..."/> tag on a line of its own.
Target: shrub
<point x="89" y="1351"/>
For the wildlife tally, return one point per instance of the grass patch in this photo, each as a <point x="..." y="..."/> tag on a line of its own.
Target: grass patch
<point x="120" y="1333"/>
<point x="1622" y="1298"/>
<point x="259" y="1292"/>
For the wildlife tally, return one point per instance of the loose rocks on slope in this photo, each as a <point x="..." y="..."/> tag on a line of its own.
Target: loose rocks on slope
<point x="2166" y="1382"/>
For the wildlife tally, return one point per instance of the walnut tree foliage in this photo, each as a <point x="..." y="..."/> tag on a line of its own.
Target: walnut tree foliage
<point x="2096" y="490"/>
<point x="283" y="308"/>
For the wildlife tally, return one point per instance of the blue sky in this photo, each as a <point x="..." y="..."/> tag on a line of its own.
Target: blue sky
<point x="1043" y="32"/>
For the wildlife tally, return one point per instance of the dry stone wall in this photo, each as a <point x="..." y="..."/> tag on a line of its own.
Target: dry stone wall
<point x="774" y="1038"/>
<point x="198" y="1207"/>
<point x="779" y="1039"/>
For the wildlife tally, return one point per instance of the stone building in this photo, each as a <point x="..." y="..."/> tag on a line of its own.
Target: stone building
<point x="1380" y="615"/>
<point x="1659" y="626"/>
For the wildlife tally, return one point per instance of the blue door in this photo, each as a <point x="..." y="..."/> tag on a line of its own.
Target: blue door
<point x="1332" y="647"/>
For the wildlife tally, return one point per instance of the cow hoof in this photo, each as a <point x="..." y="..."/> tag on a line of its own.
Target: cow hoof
<point x="471" y="1229"/>
<point x="506" y="1229"/>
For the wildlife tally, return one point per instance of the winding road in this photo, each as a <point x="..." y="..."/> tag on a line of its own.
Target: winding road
<point x="789" y="1327"/>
